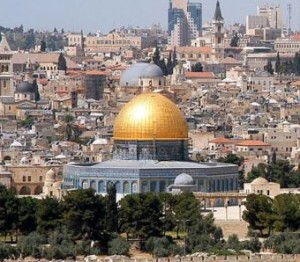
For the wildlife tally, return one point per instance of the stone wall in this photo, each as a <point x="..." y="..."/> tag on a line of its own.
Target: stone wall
<point x="244" y="258"/>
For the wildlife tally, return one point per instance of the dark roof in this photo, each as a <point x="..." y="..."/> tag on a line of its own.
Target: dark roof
<point x="25" y="87"/>
<point x="218" y="14"/>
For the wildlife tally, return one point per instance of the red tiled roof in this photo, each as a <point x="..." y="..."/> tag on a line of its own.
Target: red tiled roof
<point x="96" y="72"/>
<point x="253" y="143"/>
<point x="192" y="49"/>
<point x="209" y="75"/>
<point x="221" y="140"/>
<point x="296" y="37"/>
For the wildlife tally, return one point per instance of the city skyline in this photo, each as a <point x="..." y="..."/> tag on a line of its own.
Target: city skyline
<point x="102" y="15"/>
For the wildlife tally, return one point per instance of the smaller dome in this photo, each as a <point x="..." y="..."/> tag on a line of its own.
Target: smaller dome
<point x="260" y="181"/>
<point x="50" y="175"/>
<point x="132" y="75"/>
<point x="100" y="141"/>
<point x="25" y="87"/>
<point x="16" y="144"/>
<point x="184" y="180"/>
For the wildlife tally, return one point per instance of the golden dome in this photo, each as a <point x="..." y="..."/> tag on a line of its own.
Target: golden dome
<point x="150" y="116"/>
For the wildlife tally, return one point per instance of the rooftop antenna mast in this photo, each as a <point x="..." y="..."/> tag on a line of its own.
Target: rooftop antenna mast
<point x="289" y="8"/>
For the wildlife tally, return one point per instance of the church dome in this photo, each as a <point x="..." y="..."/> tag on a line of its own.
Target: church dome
<point x="184" y="180"/>
<point x="150" y="116"/>
<point x="24" y="87"/>
<point x="131" y="76"/>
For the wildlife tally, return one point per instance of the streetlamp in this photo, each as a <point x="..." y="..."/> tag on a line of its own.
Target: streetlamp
<point x="184" y="229"/>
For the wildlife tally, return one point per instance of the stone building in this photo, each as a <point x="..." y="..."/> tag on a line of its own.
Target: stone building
<point x="150" y="150"/>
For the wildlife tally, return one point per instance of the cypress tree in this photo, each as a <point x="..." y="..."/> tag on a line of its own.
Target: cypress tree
<point x="62" y="64"/>
<point x="156" y="56"/>
<point x="43" y="46"/>
<point x="163" y="66"/>
<point x="277" y="63"/>
<point x="170" y="64"/>
<point x="174" y="58"/>
<point x="297" y="64"/>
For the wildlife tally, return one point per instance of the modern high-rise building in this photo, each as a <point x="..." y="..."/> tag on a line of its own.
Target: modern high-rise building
<point x="274" y="15"/>
<point x="184" y="22"/>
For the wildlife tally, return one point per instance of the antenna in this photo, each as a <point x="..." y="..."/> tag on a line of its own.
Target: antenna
<point x="289" y="8"/>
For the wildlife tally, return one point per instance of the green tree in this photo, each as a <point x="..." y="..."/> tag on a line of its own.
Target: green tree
<point x="204" y="236"/>
<point x="170" y="64"/>
<point x="29" y="42"/>
<point x="163" y="67"/>
<point x="156" y="55"/>
<point x="36" y="90"/>
<point x="287" y="209"/>
<point x="269" y="67"/>
<point x="283" y="243"/>
<point x="296" y="64"/>
<point x="31" y="245"/>
<point x="27" y="217"/>
<point x="118" y="246"/>
<point x="259" y="213"/>
<point x="141" y="215"/>
<point x="175" y="62"/>
<point x="62" y="63"/>
<point x="253" y="244"/>
<point x="162" y="246"/>
<point x="8" y="251"/>
<point x="257" y="171"/>
<point x="277" y="63"/>
<point x="71" y="130"/>
<point x="187" y="211"/>
<point x="111" y="213"/>
<point x="43" y="46"/>
<point x="27" y="122"/>
<point x="84" y="214"/>
<point x="281" y="172"/>
<point x="235" y="40"/>
<point x="197" y="67"/>
<point x="233" y="242"/>
<point x="60" y="245"/>
<point x="49" y="215"/>
<point x="8" y="211"/>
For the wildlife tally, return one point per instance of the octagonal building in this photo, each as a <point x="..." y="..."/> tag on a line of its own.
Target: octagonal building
<point x="150" y="150"/>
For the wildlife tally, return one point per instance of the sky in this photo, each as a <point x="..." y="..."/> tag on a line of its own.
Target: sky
<point x="104" y="15"/>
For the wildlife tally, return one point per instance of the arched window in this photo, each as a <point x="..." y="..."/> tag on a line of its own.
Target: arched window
<point x="145" y="187"/>
<point x="38" y="190"/>
<point x="134" y="187"/>
<point x="84" y="184"/>
<point x="126" y="187"/>
<point x="25" y="190"/>
<point x="162" y="186"/>
<point x="93" y="184"/>
<point x="153" y="186"/>
<point x="101" y="188"/>
<point x="118" y="187"/>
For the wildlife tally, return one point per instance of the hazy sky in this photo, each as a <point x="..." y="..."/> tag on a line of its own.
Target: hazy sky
<point x="90" y="15"/>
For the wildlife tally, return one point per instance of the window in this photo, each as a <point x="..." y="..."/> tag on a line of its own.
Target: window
<point x="29" y="178"/>
<point x="24" y="178"/>
<point x="41" y="179"/>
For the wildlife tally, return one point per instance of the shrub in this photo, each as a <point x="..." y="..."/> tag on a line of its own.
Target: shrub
<point x="118" y="246"/>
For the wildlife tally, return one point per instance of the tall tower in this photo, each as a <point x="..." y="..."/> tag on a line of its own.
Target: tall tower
<point x="6" y="70"/>
<point x="218" y="34"/>
<point x="184" y="22"/>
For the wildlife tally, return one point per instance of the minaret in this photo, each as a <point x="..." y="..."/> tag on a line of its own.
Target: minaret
<point x="218" y="34"/>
